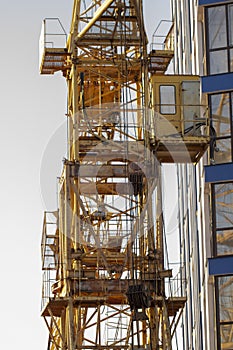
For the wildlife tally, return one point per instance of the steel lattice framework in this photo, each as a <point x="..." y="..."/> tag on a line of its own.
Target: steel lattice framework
<point x="106" y="251"/>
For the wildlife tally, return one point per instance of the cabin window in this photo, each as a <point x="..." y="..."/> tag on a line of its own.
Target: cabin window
<point x="167" y="99"/>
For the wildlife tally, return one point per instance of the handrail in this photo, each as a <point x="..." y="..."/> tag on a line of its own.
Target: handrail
<point x="161" y="43"/>
<point x="161" y="126"/>
<point x="47" y="39"/>
<point x="57" y="19"/>
<point x="49" y="277"/>
<point x="46" y="253"/>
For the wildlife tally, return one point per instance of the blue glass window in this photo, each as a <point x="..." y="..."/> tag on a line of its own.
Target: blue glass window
<point x="219" y="23"/>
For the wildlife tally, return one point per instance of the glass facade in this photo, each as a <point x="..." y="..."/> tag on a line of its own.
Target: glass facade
<point x="219" y="29"/>
<point x="197" y="327"/>
<point x="219" y="57"/>
<point x="206" y="211"/>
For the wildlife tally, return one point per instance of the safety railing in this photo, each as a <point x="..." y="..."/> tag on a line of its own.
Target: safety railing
<point x="176" y="286"/>
<point x="164" y="127"/>
<point x="161" y="41"/>
<point x="51" y="282"/>
<point x="53" y="35"/>
<point x="48" y="279"/>
<point x="49" y="241"/>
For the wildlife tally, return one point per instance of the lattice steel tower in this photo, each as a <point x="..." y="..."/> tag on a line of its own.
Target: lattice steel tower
<point x="104" y="260"/>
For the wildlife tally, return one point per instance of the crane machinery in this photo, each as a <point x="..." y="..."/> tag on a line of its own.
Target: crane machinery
<point x="103" y="251"/>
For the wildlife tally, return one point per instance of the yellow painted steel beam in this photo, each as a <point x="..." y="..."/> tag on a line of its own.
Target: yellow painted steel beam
<point x="95" y="18"/>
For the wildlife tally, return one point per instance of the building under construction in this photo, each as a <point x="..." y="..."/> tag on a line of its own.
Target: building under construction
<point x="107" y="281"/>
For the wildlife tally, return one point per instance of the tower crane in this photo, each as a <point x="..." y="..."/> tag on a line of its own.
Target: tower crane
<point x="106" y="253"/>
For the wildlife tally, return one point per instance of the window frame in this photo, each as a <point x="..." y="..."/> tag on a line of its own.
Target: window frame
<point x="168" y="105"/>
<point x="219" y="323"/>
<point x="227" y="48"/>
<point x="211" y="113"/>
<point x="216" y="229"/>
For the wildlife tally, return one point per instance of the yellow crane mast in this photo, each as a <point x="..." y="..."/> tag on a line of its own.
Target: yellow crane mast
<point x="104" y="261"/>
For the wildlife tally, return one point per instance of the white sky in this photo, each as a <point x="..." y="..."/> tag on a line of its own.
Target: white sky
<point x="31" y="109"/>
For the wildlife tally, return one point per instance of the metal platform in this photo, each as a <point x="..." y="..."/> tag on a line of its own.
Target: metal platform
<point x="159" y="60"/>
<point x="183" y="150"/>
<point x="56" y="306"/>
<point x="54" y="60"/>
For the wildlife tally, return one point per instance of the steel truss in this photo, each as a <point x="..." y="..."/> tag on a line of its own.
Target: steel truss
<point x="110" y="277"/>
